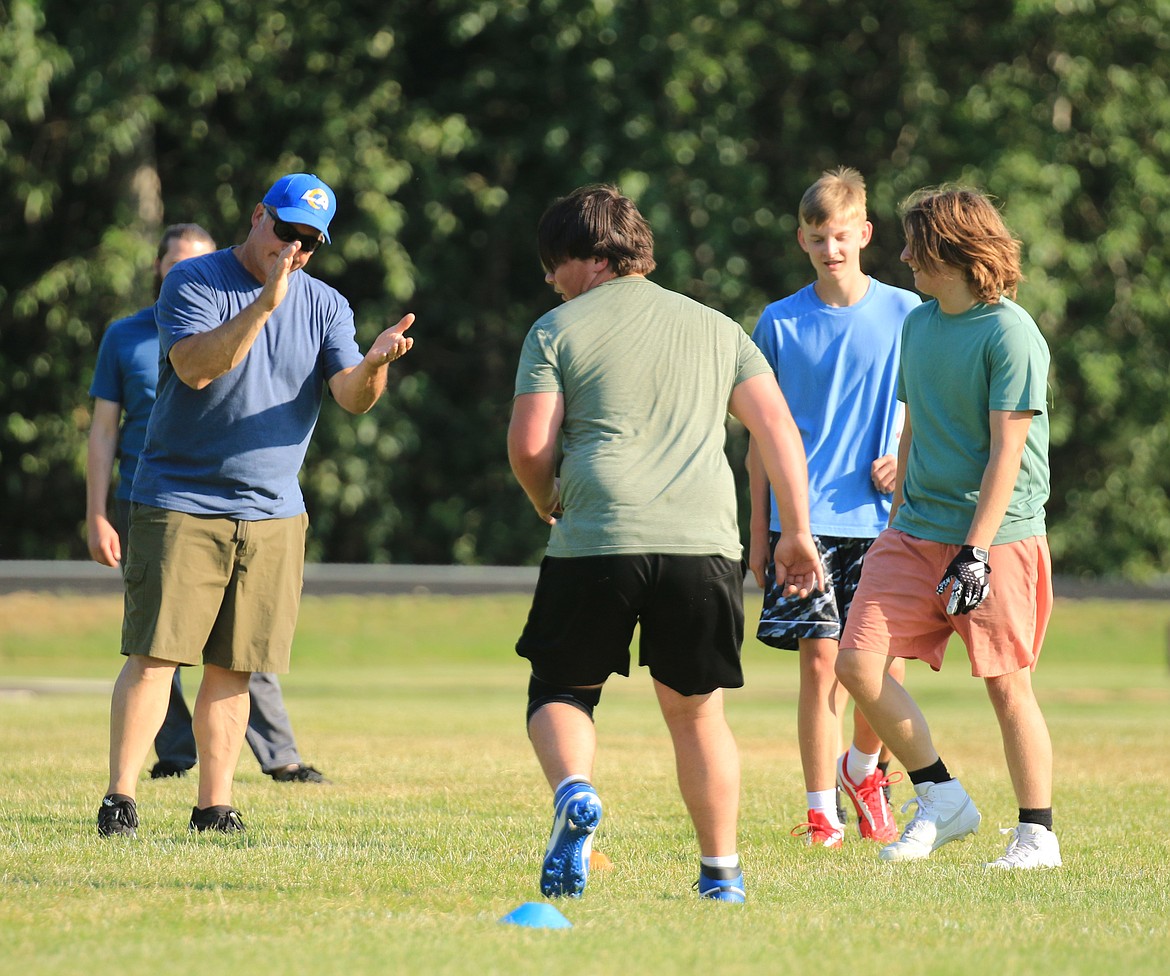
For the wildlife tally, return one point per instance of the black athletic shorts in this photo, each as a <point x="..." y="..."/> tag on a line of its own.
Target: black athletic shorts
<point x="690" y="609"/>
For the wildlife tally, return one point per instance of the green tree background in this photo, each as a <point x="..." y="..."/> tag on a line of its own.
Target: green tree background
<point x="446" y="126"/>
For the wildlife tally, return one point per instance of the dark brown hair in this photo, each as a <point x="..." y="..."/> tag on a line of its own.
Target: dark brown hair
<point x="183" y="232"/>
<point x="961" y="227"/>
<point x="596" y="222"/>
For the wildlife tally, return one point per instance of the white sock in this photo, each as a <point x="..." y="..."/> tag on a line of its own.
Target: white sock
<point x="860" y="765"/>
<point x="825" y="801"/>
<point x="720" y="861"/>
<point x="566" y="781"/>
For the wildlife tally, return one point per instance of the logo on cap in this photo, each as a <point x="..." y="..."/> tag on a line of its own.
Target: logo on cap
<point x="316" y="198"/>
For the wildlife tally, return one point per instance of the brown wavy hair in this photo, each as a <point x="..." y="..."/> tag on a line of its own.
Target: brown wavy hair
<point x="961" y="227"/>
<point x="596" y="221"/>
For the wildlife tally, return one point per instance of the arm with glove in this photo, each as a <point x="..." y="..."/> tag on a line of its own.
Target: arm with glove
<point x="967" y="576"/>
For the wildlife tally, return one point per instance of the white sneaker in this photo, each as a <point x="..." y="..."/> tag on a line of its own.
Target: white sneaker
<point x="945" y="813"/>
<point x="1031" y="846"/>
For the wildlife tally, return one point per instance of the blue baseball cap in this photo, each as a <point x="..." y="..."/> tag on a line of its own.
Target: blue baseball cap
<point x="302" y="198"/>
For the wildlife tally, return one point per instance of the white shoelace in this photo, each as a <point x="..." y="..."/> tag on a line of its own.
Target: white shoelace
<point x="922" y="816"/>
<point x="1017" y="851"/>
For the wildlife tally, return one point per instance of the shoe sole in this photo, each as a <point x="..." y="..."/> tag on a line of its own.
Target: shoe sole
<point x="566" y="862"/>
<point x="996" y="866"/>
<point x="728" y="892"/>
<point x="731" y="897"/>
<point x="217" y="828"/>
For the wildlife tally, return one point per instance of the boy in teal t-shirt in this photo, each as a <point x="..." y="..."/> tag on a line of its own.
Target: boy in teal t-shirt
<point x="966" y="552"/>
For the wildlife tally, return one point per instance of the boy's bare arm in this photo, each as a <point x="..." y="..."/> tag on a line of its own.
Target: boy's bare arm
<point x="532" y="447"/>
<point x="1009" y="433"/>
<point x="760" y="406"/>
<point x="760" y="495"/>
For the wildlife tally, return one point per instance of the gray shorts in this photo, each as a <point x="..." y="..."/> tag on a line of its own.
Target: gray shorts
<point x="211" y="590"/>
<point x="785" y="621"/>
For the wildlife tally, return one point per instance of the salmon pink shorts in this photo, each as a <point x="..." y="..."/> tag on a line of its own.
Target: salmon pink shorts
<point x="897" y="612"/>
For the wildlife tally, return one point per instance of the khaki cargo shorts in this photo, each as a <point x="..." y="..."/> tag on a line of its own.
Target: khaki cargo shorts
<point x="206" y="589"/>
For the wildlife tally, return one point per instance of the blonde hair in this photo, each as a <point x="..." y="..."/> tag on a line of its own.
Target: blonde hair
<point x="839" y="192"/>
<point x="961" y="227"/>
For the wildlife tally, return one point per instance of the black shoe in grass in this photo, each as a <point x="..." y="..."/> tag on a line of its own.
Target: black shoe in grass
<point x="164" y="768"/>
<point x="299" y="773"/>
<point x="224" y="819"/>
<point x="117" y="816"/>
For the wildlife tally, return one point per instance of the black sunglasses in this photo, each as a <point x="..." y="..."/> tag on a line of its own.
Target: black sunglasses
<point x="288" y="233"/>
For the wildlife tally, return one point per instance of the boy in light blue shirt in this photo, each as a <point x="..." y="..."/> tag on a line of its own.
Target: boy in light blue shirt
<point x="834" y="347"/>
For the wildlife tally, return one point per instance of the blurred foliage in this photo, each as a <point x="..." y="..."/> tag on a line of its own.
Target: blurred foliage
<point x="446" y="126"/>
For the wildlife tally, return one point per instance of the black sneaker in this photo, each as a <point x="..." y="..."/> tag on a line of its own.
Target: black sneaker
<point x="224" y="819"/>
<point x="162" y="769"/>
<point x="299" y="773"/>
<point x="117" y="816"/>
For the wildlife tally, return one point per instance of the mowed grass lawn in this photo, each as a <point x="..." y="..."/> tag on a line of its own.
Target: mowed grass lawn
<point x="436" y="821"/>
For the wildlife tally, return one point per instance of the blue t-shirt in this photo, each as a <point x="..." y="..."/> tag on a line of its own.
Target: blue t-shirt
<point x="838" y="369"/>
<point x="235" y="448"/>
<point x="127" y="373"/>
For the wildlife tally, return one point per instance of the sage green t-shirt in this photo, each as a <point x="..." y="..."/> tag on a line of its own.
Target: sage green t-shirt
<point x="955" y="370"/>
<point x="646" y="375"/>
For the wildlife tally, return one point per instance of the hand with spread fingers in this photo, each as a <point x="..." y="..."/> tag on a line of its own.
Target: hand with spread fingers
<point x="393" y="343"/>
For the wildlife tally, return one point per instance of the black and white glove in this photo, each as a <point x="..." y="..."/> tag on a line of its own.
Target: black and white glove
<point x="967" y="577"/>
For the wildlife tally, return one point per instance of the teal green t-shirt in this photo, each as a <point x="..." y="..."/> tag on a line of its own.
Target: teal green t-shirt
<point x="646" y="376"/>
<point x="955" y="370"/>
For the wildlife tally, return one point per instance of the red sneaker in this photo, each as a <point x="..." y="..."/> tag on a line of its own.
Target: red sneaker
<point x="818" y="832"/>
<point x="875" y="816"/>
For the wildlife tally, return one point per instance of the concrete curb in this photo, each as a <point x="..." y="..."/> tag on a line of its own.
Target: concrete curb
<point x="331" y="579"/>
<point x="321" y="579"/>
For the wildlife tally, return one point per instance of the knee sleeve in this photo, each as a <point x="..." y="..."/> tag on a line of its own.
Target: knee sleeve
<point x="541" y="693"/>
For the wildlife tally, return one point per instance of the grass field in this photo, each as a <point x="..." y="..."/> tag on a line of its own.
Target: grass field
<point x="437" y="818"/>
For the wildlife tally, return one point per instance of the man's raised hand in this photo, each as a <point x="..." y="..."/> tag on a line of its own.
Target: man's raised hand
<point x="393" y="343"/>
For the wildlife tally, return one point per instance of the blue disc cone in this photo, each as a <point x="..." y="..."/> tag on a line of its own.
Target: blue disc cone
<point x="537" y="915"/>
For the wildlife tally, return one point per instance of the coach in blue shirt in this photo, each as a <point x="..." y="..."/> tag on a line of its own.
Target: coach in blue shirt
<point x="249" y="341"/>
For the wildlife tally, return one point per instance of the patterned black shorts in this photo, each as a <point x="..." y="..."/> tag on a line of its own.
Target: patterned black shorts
<point x="785" y="621"/>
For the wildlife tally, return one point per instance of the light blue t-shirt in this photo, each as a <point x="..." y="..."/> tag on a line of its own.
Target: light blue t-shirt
<point x="235" y="447"/>
<point x="838" y="370"/>
<point x="127" y="373"/>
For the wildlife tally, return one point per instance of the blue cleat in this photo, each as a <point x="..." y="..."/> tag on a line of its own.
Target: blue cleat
<point x="717" y="889"/>
<point x="566" y="859"/>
